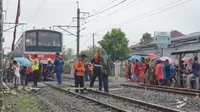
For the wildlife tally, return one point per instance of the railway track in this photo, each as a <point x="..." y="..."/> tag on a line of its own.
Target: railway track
<point x="111" y="107"/>
<point x="166" y="89"/>
<point x="131" y="104"/>
<point x="173" y="88"/>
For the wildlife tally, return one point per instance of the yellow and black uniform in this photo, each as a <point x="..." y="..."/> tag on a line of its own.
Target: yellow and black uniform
<point x="97" y="71"/>
<point x="36" y="71"/>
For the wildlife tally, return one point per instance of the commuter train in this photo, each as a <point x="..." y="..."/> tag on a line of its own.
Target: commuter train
<point x="45" y="43"/>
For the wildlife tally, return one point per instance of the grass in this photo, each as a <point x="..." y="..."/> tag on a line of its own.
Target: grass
<point x="20" y="103"/>
<point x="27" y="104"/>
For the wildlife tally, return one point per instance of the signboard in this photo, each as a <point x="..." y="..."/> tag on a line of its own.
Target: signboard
<point x="162" y="39"/>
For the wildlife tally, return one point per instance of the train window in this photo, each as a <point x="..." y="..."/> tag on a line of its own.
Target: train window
<point x="49" y="39"/>
<point x="31" y="39"/>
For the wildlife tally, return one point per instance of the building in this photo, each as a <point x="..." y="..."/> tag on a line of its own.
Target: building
<point x="178" y="42"/>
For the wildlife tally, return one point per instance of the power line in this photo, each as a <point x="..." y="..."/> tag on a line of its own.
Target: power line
<point x="39" y="8"/>
<point x="86" y="41"/>
<point x="105" y="4"/>
<point x="120" y="9"/>
<point x="146" y="14"/>
<point x="107" y="9"/>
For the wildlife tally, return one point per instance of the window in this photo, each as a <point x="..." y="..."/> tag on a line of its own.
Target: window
<point x="48" y="39"/>
<point x="31" y="39"/>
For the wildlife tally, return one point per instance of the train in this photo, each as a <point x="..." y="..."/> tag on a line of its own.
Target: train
<point x="43" y="42"/>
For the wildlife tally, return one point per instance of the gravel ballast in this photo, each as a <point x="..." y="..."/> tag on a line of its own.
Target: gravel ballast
<point x="161" y="98"/>
<point x="64" y="102"/>
<point x="125" y="104"/>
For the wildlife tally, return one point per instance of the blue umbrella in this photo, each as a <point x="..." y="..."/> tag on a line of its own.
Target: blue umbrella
<point x="133" y="58"/>
<point x="23" y="61"/>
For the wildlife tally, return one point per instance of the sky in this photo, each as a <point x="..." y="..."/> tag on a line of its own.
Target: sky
<point x="134" y="17"/>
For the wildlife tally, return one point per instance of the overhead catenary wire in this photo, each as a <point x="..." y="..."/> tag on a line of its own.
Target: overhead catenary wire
<point x="145" y="15"/>
<point x="86" y="41"/>
<point x="105" y="4"/>
<point x="120" y="9"/>
<point x="102" y="11"/>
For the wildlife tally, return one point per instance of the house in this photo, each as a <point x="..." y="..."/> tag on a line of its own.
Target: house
<point x="179" y="41"/>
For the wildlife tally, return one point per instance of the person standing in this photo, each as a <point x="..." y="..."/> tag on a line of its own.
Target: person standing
<point x="49" y="68"/>
<point x="79" y="73"/>
<point x="30" y="72"/>
<point x="86" y="70"/>
<point x="142" y="71"/>
<point x="167" y="70"/>
<point x="36" y="70"/>
<point x="136" y="71"/>
<point x="23" y="74"/>
<point x="159" y="72"/>
<point x="90" y="67"/>
<point x="97" y="70"/>
<point x="16" y="78"/>
<point x="196" y="73"/>
<point x="59" y="67"/>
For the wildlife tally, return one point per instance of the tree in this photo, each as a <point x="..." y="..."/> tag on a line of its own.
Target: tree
<point x="68" y="53"/>
<point x="116" y="44"/>
<point x="146" y="38"/>
<point x="89" y="52"/>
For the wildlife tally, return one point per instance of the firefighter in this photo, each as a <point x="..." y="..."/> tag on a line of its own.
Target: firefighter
<point x="36" y="70"/>
<point x="59" y="67"/>
<point x="97" y="70"/>
<point x="79" y="73"/>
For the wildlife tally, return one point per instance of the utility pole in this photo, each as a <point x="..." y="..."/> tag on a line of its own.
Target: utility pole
<point x="93" y="43"/>
<point x="78" y="18"/>
<point x="78" y="31"/>
<point x="1" y="55"/>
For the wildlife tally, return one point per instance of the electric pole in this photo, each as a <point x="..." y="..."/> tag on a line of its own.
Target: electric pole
<point x="1" y="55"/>
<point x="93" y="44"/>
<point x="78" y="18"/>
<point x="78" y="31"/>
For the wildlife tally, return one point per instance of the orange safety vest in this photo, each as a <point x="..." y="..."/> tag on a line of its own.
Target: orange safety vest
<point x="79" y="68"/>
<point x="90" y="67"/>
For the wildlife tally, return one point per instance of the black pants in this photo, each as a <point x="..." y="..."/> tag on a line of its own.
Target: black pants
<point x="36" y="75"/>
<point x="105" y="82"/>
<point x="97" y="73"/>
<point x="79" y="80"/>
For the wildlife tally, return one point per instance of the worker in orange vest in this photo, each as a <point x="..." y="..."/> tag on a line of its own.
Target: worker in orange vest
<point x="79" y="73"/>
<point x="90" y="68"/>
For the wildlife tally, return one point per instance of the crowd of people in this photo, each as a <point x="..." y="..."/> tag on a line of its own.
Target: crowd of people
<point x="157" y="72"/>
<point x="22" y="75"/>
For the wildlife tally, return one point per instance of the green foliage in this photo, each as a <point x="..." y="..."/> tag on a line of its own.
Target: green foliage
<point x="116" y="44"/>
<point x="89" y="52"/>
<point x="68" y="53"/>
<point x="146" y="38"/>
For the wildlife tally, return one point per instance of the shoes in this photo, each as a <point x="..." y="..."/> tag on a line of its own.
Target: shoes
<point x="83" y="92"/>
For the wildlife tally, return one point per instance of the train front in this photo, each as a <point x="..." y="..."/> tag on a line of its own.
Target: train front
<point x="44" y="43"/>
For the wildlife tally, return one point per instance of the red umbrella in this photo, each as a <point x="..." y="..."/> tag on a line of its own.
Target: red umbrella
<point x="187" y="60"/>
<point x="152" y="56"/>
<point x="166" y="58"/>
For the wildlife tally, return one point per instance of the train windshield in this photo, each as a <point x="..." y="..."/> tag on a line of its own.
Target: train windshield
<point x="43" y="41"/>
<point x="49" y="39"/>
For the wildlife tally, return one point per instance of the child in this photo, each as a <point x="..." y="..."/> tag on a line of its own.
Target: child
<point x="16" y="69"/>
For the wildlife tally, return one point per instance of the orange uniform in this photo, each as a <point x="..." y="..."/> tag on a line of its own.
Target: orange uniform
<point x="79" y="67"/>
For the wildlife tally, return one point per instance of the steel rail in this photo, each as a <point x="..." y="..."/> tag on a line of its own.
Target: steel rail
<point x="164" y="89"/>
<point x="140" y="102"/>
<point x="88" y="98"/>
<point x="173" y="88"/>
